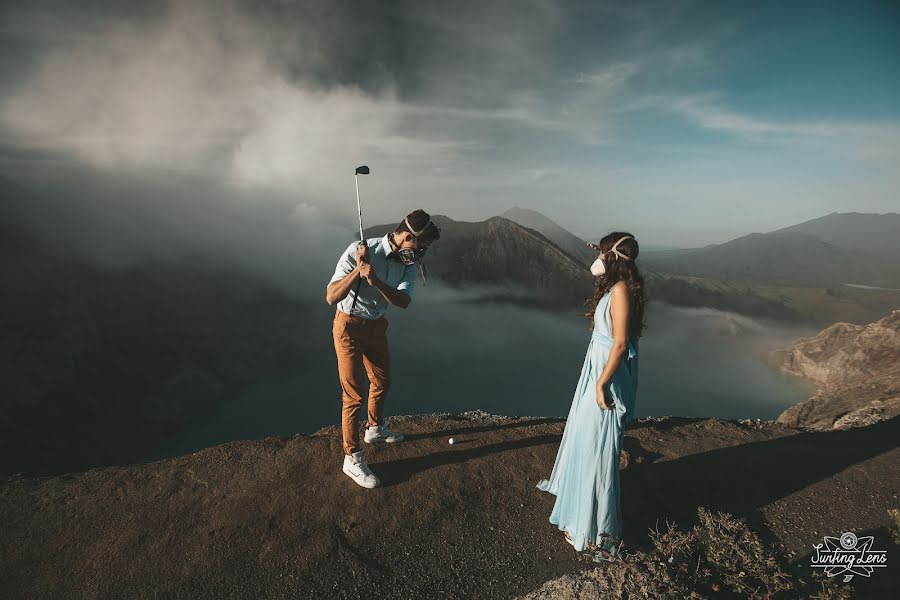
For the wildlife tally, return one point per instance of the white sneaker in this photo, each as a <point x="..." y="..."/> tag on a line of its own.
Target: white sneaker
<point x="381" y="433"/>
<point x="355" y="468"/>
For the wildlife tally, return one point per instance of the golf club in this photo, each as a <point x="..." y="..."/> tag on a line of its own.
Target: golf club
<point x="361" y="170"/>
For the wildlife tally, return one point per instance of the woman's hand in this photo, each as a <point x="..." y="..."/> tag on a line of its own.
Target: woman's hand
<point x="601" y="397"/>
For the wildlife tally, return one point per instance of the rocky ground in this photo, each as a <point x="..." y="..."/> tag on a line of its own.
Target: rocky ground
<point x="856" y="369"/>
<point x="276" y="518"/>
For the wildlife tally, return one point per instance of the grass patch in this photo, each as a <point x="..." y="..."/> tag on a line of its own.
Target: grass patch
<point x="720" y="557"/>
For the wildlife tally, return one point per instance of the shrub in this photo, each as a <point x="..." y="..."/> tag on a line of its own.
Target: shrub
<point x="720" y="557"/>
<point x="894" y="513"/>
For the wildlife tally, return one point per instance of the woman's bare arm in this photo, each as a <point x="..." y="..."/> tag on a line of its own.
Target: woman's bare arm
<point x="619" y="312"/>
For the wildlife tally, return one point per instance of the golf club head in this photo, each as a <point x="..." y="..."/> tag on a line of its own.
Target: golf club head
<point x="363" y="170"/>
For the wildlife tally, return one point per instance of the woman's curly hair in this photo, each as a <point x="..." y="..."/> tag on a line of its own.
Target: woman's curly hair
<point x="620" y="269"/>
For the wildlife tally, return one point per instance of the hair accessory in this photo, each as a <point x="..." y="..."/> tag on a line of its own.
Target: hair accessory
<point x="616" y="252"/>
<point x="413" y="231"/>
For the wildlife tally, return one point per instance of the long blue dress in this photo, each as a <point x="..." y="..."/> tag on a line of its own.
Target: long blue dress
<point x="585" y="476"/>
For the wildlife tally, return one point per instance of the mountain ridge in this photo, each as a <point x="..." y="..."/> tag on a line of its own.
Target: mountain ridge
<point x="565" y="239"/>
<point x="785" y="297"/>
<point x="500" y="252"/>
<point x="783" y="258"/>
<point x="842" y="230"/>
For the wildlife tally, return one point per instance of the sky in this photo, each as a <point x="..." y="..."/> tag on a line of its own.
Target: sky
<point x="173" y="124"/>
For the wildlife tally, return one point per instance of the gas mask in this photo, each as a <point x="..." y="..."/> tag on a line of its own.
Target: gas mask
<point x="410" y="256"/>
<point x="598" y="268"/>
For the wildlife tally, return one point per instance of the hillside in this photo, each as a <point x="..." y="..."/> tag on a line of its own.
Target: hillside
<point x="533" y="270"/>
<point x="786" y="259"/>
<point x="98" y="365"/>
<point x="275" y="518"/>
<point x="526" y="266"/>
<point x="571" y="243"/>
<point x="856" y="369"/>
<point x="874" y="234"/>
<point x="498" y="252"/>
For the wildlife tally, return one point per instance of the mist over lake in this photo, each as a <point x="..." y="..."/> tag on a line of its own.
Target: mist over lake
<point x="450" y="355"/>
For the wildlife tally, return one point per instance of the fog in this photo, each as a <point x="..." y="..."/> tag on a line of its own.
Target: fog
<point x="233" y="103"/>
<point x="208" y="134"/>
<point x="120" y="221"/>
<point x="451" y="356"/>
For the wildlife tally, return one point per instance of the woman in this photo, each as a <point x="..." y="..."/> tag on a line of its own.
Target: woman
<point x="585" y="477"/>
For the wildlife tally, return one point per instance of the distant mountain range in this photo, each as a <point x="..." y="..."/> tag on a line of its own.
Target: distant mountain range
<point x="820" y="271"/>
<point x="836" y="249"/>
<point x="797" y="257"/>
<point x="790" y="274"/>
<point x="523" y="266"/>
<point x="877" y="235"/>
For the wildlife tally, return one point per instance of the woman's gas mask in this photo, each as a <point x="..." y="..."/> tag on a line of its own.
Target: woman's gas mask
<point x="599" y="266"/>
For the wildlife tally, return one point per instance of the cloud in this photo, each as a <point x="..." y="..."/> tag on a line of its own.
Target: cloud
<point x="464" y="108"/>
<point x="197" y="90"/>
<point x="610" y="78"/>
<point x="865" y="140"/>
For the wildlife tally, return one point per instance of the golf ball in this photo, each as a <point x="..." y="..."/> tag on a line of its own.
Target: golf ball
<point x="451" y="441"/>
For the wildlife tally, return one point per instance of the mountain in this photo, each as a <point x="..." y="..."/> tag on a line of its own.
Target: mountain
<point x="711" y="293"/>
<point x="530" y="269"/>
<point x="785" y="258"/>
<point x="867" y="233"/>
<point x="857" y="371"/>
<point x="649" y="254"/>
<point x="566" y="240"/>
<point x="276" y="518"/>
<point x="499" y="252"/>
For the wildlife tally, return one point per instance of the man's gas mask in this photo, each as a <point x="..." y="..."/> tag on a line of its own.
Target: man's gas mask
<point x="410" y="256"/>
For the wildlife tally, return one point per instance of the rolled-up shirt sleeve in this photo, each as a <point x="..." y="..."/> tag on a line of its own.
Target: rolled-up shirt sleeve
<point x="346" y="264"/>
<point x="408" y="284"/>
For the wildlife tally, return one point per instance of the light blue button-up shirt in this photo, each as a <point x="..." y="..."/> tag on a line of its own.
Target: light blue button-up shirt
<point x="371" y="303"/>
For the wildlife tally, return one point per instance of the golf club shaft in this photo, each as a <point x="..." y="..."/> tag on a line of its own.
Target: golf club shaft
<point x="359" y="208"/>
<point x="361" y="241"/>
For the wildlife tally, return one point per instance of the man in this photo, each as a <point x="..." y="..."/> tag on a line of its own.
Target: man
<point x="369" y="277"/>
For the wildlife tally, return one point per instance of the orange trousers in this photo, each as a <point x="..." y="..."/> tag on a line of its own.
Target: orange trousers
<point x="361" y="346"/>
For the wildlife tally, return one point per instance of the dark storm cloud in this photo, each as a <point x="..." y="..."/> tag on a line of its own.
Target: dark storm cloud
<point x="173" y="129"/>
<point x="405" y="79"/>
